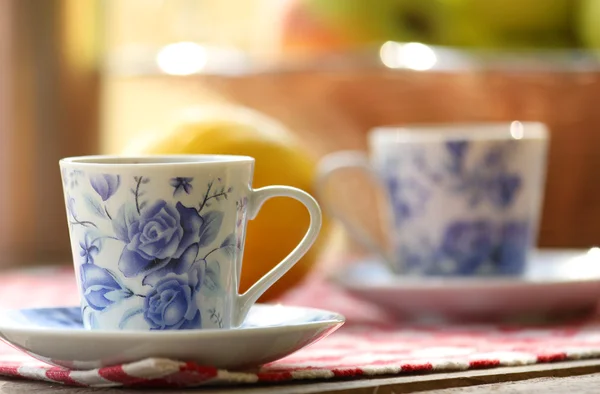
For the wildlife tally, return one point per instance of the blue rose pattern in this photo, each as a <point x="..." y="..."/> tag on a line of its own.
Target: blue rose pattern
<point x="511" y="250"/>
<point x="171" y="305"/>
<point x="152" y="238"/>
<point x="161" y="243"/>
<point x="488" y="180"/>
<point x="469" y="248"/>
<point x="466" y="247"/>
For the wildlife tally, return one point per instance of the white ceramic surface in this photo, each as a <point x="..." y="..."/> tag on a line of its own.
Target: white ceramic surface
<point x="158" y="241"/>
<point x="270" y="332"/>
<point x="556" y="284"/>
<point x="462" y="199"/>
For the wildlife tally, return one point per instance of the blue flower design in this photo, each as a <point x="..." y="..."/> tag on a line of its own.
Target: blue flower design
<point x="495" y="157"/>
<point x="181" y="184"/>
<point x="488" y="180"/>
<point x="408" y="197"/>
<point x="466" y="245"/>
<point x="153" y="237"/>
<point x="511" y="252"/>
<point x="171" y="305"/>
<point x="159" y="242"/>
<point x="106" y="185"/>
<point x="503" y="189"/>
<point x="100" y="288"/>
<point x="457" y="148"/>
<point x="88" y="249"/>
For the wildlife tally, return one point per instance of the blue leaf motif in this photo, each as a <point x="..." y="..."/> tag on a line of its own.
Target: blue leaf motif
<point x="94" y="206"/>
<point x="228" y="241"/>
<point x="210" y="228"/>
<point x="211" y="285"/>
<point x="185" y="265"/>
<point x="126" y="217"/>
<point x="229" y="245"/>
<point x="106" y="185"/>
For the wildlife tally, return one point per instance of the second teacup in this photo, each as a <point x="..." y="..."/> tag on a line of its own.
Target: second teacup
<point x="463" y="199"/>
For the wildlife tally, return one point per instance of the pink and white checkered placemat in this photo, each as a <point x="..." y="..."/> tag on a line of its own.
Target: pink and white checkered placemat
<point x="369" y="344"/>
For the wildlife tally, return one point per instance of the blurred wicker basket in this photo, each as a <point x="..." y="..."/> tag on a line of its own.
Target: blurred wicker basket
<point x="333" y="102"/>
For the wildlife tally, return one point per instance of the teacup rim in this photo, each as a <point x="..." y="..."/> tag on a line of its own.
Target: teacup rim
<point x="471" y="131"/>
<point x="129" y="161"/>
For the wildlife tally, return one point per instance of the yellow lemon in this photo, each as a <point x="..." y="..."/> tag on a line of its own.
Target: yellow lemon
<point x="280" y="160"/>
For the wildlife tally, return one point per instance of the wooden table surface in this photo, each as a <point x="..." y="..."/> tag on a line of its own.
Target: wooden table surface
<point x="574" y="377"/>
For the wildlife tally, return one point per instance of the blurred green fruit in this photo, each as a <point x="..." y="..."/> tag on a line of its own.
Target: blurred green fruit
<point x="490" y="24"/>
<point x="588" y="23"/>
<point x="380" y="20"/>
<point x="428" y="21"/>
<point x="523" y="15"/>
<point x="354" y="20"/>
<point x="508" y="24"/>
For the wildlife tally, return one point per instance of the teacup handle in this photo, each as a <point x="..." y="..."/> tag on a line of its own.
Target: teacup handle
<point x="256" y="200"/>
<point x="328" y="166"/>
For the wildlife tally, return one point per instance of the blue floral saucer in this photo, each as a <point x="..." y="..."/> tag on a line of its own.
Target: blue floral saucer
<point x="556" y="284"/>
<point x="57" y="336"/>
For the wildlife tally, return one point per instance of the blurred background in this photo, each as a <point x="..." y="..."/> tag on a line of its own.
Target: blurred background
<point x="111" y="76"/>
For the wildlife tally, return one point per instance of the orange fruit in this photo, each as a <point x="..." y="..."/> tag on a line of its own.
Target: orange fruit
<point x="280" y="160"/>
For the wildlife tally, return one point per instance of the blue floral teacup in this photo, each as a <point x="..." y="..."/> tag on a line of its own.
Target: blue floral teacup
<point x="158" y="241"/>
<point x="463" y="199"/>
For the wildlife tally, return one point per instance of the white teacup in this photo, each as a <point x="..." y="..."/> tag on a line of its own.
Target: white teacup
<point x="157" y="242"/>
<point x="463" y="199"/>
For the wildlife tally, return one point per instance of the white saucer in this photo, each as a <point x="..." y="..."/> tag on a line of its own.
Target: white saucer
<point x="56" y="336"/>
<point x="556" y="284"/>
